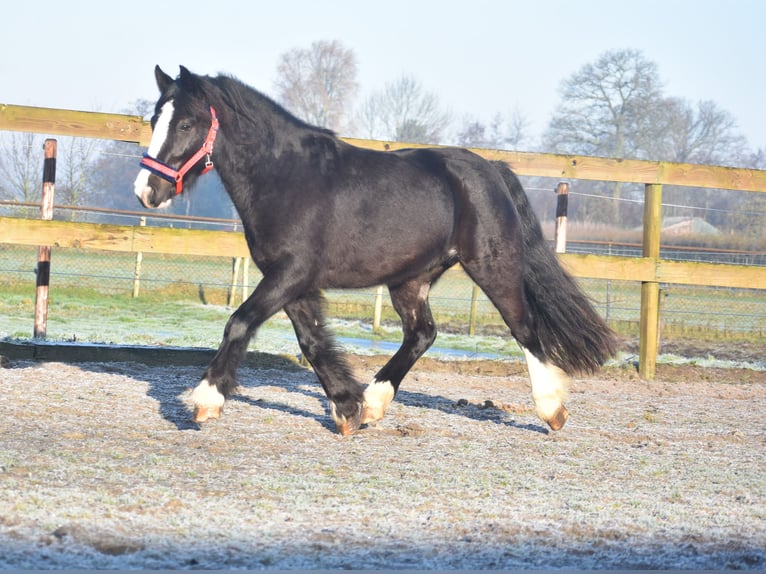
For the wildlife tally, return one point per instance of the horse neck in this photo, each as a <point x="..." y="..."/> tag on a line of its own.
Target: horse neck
<point x="250" y="154"/>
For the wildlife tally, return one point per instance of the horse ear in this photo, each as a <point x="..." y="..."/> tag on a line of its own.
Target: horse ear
<point x="163" y="80"/>
<point x="185" y="73"/>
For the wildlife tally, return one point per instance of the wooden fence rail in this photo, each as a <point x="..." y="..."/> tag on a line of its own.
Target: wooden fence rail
<point x="135" y="239"/>
<point x="650" y="270"/>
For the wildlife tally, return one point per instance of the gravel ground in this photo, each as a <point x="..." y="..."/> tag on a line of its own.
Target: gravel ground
<point x="100" y="468"/>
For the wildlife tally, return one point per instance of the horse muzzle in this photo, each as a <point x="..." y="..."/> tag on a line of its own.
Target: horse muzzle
<point x="148" y="195"/>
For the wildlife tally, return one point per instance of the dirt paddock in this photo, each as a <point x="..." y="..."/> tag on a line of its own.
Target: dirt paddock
<point x="101" y="468"/>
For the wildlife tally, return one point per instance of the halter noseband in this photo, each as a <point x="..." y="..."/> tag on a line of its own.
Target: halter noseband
<point x="177" y="175"/>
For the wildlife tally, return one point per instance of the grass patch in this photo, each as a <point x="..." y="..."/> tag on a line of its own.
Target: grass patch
<point x="183" y="301"/>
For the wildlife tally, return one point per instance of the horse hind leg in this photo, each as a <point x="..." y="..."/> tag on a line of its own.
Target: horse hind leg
<point x="503" y="286"/>
<point x="549" y="382"/>
<point x="549" y="390"/>
<point x="410" y="300"/>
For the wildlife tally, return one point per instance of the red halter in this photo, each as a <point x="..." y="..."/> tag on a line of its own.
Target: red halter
<point x="177" y="175"/>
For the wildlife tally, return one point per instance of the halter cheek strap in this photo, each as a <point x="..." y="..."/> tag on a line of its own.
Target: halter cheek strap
<point x="171" y="174"/>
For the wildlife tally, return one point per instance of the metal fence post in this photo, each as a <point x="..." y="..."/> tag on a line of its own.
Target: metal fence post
<point x="44" y="251"/>
<point x="650" y="290"/>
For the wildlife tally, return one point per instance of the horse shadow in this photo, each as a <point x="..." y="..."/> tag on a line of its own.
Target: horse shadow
<point x="171" y="393"/>
<point x="170" y="388"/>
<point x="324" y="419"/>
<point x="412" y="399"/>
<point x="263" y="372"/>
<point x="476" y="412"/>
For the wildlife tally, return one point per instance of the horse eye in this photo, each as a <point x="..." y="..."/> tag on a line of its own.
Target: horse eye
<point x="184" y="126"/>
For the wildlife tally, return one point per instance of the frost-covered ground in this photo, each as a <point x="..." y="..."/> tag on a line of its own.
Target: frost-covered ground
<point x="101" y="468"/>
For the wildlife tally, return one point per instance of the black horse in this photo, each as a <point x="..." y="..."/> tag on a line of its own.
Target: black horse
<point x="319" y="213"/>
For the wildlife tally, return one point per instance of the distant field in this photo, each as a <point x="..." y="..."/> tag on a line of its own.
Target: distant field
<point x="183" y="301"/>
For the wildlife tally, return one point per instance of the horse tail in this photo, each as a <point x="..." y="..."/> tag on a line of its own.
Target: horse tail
<point x="572" y="334"/>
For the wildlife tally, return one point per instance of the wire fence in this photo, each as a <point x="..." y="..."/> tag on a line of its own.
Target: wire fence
<point x="93" y="292"/>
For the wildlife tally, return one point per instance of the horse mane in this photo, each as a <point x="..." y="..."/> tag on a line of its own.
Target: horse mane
<point x="248" y="105"/>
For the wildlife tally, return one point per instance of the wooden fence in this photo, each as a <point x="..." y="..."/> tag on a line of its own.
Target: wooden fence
<point x="649" y="269"/>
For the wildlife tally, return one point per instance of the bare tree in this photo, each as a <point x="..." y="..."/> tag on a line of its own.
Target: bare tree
<point x="615" y="107"/>
<point x="517" y="130"/>
<point x="606" y="107"/>
<point x="368" y="118"/>
<point x="78" y="157"/>
<point x="473" y="133"/>
<point x="21" y="166"/>
<point x="403" y="111"/>
<point x="501" y="133"/>
<point x="114" y="170"/>
<point x="703" y="134"/>
<point x="318" y="84"/>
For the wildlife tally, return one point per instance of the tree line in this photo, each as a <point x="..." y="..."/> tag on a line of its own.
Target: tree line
<point x="615" y="106"/>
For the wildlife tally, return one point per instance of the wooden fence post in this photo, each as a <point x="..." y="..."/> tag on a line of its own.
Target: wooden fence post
<point x="650" y="290"/>
<point x="44" y="251"/>
<point x="377" y="310"/>
<point x="562" y="205"/>
<point x="246" y="279"/>
<point x="236" y="263"/>
<point x="139" y="260"/>
<point x="473" y="316"/>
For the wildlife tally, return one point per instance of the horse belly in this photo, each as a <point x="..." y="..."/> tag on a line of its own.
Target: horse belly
<point x="388" y="247"/>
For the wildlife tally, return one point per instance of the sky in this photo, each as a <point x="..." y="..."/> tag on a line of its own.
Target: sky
<point x="480" y="57"/>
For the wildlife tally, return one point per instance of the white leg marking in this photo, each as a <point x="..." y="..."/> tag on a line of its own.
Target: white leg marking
<point x="377" y="396"/>
<point x="159" y="135"/>
<point x="340" y="420"/>
<point x="207" y="395"/>
<point x="549" y="385"/>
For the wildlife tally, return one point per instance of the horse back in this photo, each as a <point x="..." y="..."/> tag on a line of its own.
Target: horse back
<point x="390" y="216"/>
<point x="360" y="217"/>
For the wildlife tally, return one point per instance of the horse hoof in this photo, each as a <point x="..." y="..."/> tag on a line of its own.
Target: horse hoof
<point x="558" y="419"/>
<point x="347" y="426"/>
<point x="377" y="396"/>
<point x="371" y="415"/>
<point x="202" y="414"/>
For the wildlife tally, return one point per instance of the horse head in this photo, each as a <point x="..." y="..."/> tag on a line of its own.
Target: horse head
<point x="184" y="128"/>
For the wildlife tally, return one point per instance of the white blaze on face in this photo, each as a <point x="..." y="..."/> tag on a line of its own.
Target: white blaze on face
<point x="159" y="135"/>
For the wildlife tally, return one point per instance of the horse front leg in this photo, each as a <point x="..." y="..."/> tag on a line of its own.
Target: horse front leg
<point x="318" y="346"/>
<point x="219" y="379"/>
